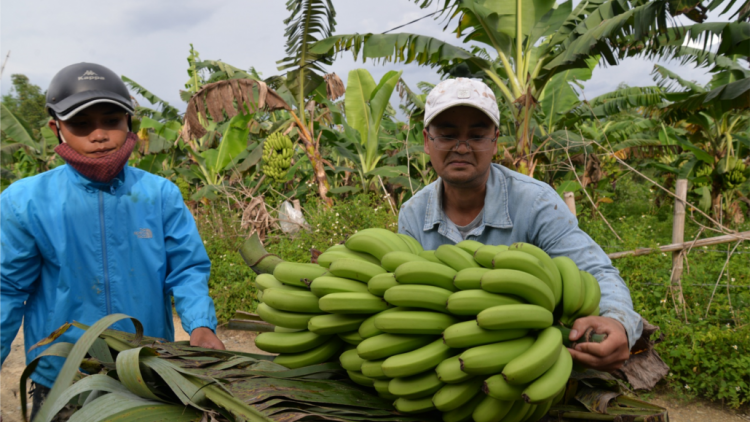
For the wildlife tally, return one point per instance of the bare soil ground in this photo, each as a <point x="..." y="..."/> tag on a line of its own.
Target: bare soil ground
<point x="10" y="409"/>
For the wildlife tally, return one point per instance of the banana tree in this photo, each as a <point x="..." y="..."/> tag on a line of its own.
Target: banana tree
<point x="533" y="41"/>
<point x="713" y="119"/>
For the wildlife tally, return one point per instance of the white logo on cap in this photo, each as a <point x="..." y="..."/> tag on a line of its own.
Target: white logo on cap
<point x="90" y="75"/>
<point x="463" y="93"/>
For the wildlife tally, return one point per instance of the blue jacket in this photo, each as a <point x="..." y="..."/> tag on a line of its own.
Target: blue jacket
<point x="518" y="208"/>
<point x="77" y="250"/>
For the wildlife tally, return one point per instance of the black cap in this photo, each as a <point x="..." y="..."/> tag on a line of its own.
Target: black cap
<point x="81" y="85"/>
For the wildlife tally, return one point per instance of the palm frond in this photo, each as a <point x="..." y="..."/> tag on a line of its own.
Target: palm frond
<point x="668" y="80"/>
<point x="166" y="110"/>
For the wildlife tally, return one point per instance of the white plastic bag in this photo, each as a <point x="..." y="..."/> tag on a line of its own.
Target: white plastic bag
<point x="290" y="217"/>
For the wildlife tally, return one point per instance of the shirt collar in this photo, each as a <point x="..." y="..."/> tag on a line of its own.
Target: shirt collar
<point x="90" y="185"/>
<point x="496" y="212"/>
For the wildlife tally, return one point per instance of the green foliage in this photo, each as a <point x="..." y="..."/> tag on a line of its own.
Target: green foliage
<point x="26" y="100"/>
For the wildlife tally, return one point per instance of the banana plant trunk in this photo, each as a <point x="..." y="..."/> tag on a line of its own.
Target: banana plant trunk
<point x="524" y="158"/>
<point x="312" y="149"/>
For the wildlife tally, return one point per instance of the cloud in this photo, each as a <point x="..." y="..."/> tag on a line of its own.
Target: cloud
<point x="147" y="18"/>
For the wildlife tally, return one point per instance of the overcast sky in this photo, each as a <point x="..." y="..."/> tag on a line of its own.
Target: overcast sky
<point x="149" y="41"/>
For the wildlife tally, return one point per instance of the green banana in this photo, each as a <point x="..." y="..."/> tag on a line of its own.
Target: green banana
<point x="430" y="256"/>
<point x="329" y="256"/>
<point x="541" y="410"/>
<point x="314" y="356"/>
<point x="453" y="396"/>
<point x="521" y="261"/>
<point x="463" y="413"/>
<point x="413" y="243"/>
<point x="392" y="260"/>
<point x="381" y="386"/>
<point x="490" y="359"/>
<point x="455" y="257"/>
<point x="325" y="285"/>
<point x="413" y="406"/>
<point x="386" y="345"/>
<point x="592" y="296"/>
<point x="360" y="379"/>
<point x="547" y="386"/>
<point x="416" y="322"/>
<point x="518" y="412"/>
<point x="415" y="386"/>
<point x="449" y="371"/>
<point x="419" y="360"/>
<point x="352" y="303"/>
<point x="355" y="269"/>
<point x="470" y="246"/>
<point x="418" y="296"/>
<point x="548" y="263"/>
<point x="426" y="273"/>
<point x="373" y="369"/>
<point x="472" y="302"/>
<point x="278" y="329"/>
<point x="380" y="283"/>
<point x="352" y="338"/>
<point x="368" y="329"/>
<point x="376" y="242"/>
<point x="351" y="361"/>
<point x="573" y="294"/>
<point x="259" y="296"/>
<point x="491" y="410"/>
<point x="497" y="388"/>
<point x="469" y="278"/>
<point x="289" y="342"/>
<point x="535" y="361"/>
<point x="283" y="318"/>
<point x="297" y="274"/>
<point x="469" y="334"/>
<point x="521" y="284"/>
<point x="291" y="300"/>
<point x="266" y="281"/>
<point x="334" y="323"/>
<point x="484" y="255"/>
<point x="513" y="317"/>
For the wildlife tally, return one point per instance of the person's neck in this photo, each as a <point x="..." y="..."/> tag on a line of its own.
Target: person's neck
<point x="463" y="203"/>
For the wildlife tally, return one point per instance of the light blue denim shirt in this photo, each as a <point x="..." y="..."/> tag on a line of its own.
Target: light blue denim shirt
<point x="518" y="208"/>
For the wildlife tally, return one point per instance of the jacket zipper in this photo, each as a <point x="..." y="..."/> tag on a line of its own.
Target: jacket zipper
<point x="104" y="252"/>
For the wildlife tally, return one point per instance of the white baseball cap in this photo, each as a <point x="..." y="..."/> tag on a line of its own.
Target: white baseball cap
<point x="461" y="92"/>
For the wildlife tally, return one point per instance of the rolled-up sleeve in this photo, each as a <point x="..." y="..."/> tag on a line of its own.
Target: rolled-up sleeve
<point x="556" y="230"/>
<point x="188" y="266"/>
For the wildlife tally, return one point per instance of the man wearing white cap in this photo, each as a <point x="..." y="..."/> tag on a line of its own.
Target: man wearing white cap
<point x="478" y="200"/>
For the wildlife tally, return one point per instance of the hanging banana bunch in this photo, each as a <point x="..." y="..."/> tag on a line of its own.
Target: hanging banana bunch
<point x="277" y="156"/>
<point x="735" y="172"/>
<point x="704" y="170"/>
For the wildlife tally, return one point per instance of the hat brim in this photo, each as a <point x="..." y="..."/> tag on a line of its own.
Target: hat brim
<point x="437" y="112"/>
<point x="74" y="104"/>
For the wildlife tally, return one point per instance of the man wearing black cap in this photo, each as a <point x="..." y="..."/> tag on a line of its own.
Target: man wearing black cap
<point x="97" y="237"/>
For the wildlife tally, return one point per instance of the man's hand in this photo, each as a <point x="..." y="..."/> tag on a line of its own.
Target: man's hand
<point x="607" y="355"/>
<point x="204" y="337"/>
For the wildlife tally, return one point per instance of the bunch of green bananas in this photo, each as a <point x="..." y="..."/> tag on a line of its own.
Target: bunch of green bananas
<point x="466" y="329"/>
<point x="704" y="170"/>
<point x="277" y="156"/>
<point x="736" y="176"/>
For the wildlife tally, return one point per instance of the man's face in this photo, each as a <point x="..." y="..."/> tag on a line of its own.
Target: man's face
<point x="462" y="166"/>
<point x="96" y="131"/>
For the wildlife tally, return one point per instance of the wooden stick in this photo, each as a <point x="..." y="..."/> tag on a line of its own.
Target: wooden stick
<point x="679" y="246"/>
<point x="678" y="236"/>
<point x="570" y="201"/>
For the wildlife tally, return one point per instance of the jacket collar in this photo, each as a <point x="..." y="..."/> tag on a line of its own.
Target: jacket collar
<point x="91" y="186"/>
<point x="496" y="212"/>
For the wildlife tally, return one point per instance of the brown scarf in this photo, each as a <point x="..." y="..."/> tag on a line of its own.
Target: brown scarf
<point x="102" y="169"/>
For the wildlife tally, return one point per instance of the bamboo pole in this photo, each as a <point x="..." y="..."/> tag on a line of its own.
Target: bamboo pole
<point x="679" y="246"/>
<point x="678" y="236"/>
<point x="570" y="201"/>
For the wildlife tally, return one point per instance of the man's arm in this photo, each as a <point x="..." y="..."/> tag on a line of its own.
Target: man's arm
<point x="188" y="269"/>
<point x="556" y="231"/>
<point x="20" y="266"/>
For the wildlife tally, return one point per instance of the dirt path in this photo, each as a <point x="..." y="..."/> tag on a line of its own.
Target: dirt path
<point x="695" y="411"/>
